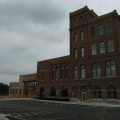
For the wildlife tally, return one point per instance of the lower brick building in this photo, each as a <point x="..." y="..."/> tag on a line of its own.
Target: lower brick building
<point x="92" y="70"/>
<point x="16" y="89"/>
<point x="55" y="79"/>
<point x="24" y="88"/>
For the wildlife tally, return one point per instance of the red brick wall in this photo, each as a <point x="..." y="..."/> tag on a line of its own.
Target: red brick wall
<point x="45" y="67"/>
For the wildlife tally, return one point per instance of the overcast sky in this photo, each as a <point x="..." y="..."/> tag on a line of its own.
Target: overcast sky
<point x="35" y="30"/>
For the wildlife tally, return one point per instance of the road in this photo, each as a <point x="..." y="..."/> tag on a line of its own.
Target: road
<point x="40" y="110"/>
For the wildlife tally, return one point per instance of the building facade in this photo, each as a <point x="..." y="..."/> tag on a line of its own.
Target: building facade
<point x="92" y="70"/>
<point x="25" y="87"/>
<point x="29" y="87"/>
<point x="16" y="89"/>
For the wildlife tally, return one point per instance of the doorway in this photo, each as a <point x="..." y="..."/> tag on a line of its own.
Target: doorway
<point x="84" y="96"/>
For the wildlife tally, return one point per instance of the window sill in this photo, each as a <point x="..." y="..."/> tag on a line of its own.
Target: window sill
<point x="110" y="76"/>
<point x="95" y="77"/>
<point x="75" y="79"/>
<point x="82" y="78"/>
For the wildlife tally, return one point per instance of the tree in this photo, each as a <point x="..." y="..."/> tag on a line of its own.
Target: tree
<point x="4" y="89"/>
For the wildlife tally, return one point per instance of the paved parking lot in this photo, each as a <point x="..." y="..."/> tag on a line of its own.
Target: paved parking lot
<point x="40" y="110"/>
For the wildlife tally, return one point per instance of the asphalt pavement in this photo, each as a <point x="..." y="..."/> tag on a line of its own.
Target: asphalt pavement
<point x="33" y="109"/>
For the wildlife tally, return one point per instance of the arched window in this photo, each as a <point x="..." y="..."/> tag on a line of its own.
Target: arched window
<point x="100" y="29"/>
<point x="61" y="72"/>
<point x="64" y="92"/>
<point x="110" y="68"/>
<point x="75" y="53"/>
<point x="57" y="73"/>
<point x="81" y="20"/>
<point x="97" y="92"/>
<point x="112" y="92"/>
<point x="96" y="69"/>
<point x="82" y="71"/>
<point x="102" y="47"/>
<point x="110" y="46"/>
<point x="109" y="26"/>
<point x="66" y="72"/>
<point x="81" y="35"/>
<point x="42" y="92"/>
<point x="53" y="73"/>
<point x="53" y="91"/>
<point x="75" y="22"/>
<point x="75" y="72"/>
<point x="93" y="47"/>
<point x="75" y="37"/>
<point x="92" y="31"/>
<point x="42" y="76"/>
<point x="82" y="52"/>
<point x="74" y="92"/>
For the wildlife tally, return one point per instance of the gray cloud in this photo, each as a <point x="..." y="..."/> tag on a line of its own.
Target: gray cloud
<point x="15" y="11"/>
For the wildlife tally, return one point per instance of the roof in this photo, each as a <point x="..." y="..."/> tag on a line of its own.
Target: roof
<point x="58" y="60"/>
<point x="104" y="16"/>
<point x="83" y="9"/>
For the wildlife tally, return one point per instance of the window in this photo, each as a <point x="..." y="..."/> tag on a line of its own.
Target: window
<point x="75" y="53"/>
<point x="75" y="37"/>
<point x="75" y="73"/>
<point x="53" y="73"/>
<point x="102" y="47"/>
<point x="66" y="72"/>
<point x="81" y="20"/>
<point x="97" y="92"/>
<point x="53" y="91"/>
<point x="74" y="92"/>
<point x="42" y="92"/>
<point x="109" y="27"/>
<point x="64" y="91"/>
<point x="110" y="68"/>
<point x="93" y="49"/>
<point x="81" y="35"/>
<point x="82" y="71"/>
<point x="112" y="92"/>
<point x="13" y="91"/>
<point x="20" y="91"/>
<point x="42" y="76"/>
<point x="61" y="72"/>
<point x="82" y="52"/>
<point x="100" y="30"/>
<point x="10" y="91"/>
<point x="57" y="73"/>
<point x="75" y="22"/>
<point x="92" y="31"/>
<point x="96" y="69"/>
<point x="110" y="46"/>
<point x="16" y="91"/>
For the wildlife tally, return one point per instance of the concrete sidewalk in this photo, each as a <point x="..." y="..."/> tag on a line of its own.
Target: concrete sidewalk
<point x="84" y="103"/>
<point x="69" y="102"/>
<point x="2" y="117"/>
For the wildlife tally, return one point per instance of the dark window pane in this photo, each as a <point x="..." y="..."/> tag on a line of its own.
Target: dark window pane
<point x="100" y="30"/>
<point x="92" y="31"/>
<point x="109" y="27"/>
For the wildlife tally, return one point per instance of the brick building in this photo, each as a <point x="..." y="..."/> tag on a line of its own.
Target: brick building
<point x="29" y="87"/>
<point x="25" y="87"/>
<point x="16" y="89"/>
<point x="92" y="70"/>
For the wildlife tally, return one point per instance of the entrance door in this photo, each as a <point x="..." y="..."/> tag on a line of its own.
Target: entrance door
<point x="84" y="98"/>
